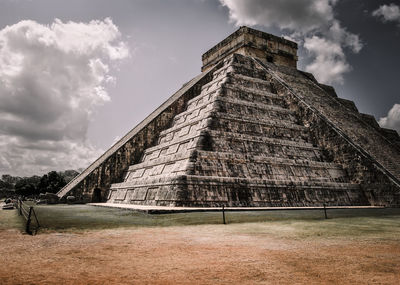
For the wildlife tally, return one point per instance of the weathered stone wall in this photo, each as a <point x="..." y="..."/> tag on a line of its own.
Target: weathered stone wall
<point x="237" y="144"/>
<point x="350" y="122"/>
<point x="392" y="136"/>
<point x="250" y="133"/>
<point x="113" y="165"/>
<point x="365" y="166"/>
<point x="237" y="192"/>
<point x="250" y="42"/>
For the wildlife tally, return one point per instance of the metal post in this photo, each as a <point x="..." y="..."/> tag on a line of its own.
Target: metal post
<point x="223" y="214"/>
<point x="19" y="207"/>
<point x="28" y="221"/>
<point x="326" y="216"/>
<point x="37" y="221"/>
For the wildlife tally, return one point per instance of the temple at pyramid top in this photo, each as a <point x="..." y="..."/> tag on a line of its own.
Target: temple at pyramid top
<point x="254" y="43"/>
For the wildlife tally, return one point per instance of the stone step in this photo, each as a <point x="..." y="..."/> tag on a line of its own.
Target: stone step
<point x="260" y="120"/>
<point x="234" y="164"/>
<point x="247" y="68"/>
<point x="250" y="145"/>
<point x="231" y="76"/>
<point x="231" y="66"/>
<point x="204" y="96"/>
<point x="257" y="192"/>
<point x="191" y="138"/>
<point x="270" y="182"/>
<point x="279" y="129"/>
<point x="177" y="158"/>
<point x="213" y="84"/>
<point x="252" y="95"/>
<point x="220" y="141"/>
<point x="277" y="172"/>
<point x="176" y="168"/>
<point x="190" y="114"/>
<point x="223" y="70"/>
<point x="254" y="110"/>
<point x="183" y="144"/>
<point x="264" y="166"/>
<point x="232" y="105"/>
<point x="167" y="158"/>
<point x="204" y="100"/>
<point x="148" y="181"/>
<point x="248" y="82"/>
<point x="212" y="190"/>
<point x="239" y="181"/>
<point x="185" y="129"/>
<point x="258" y="105"/>
<point x="241" y="158"/>
<point x="262" y="139"/>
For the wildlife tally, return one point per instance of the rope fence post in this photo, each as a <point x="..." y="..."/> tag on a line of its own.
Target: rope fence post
<point x="28" y="215"/>
<point x="28" y="221"/>
<point x="37" y="221"/>
<point x="223" y="214"/>
<point x="326" y="216"/>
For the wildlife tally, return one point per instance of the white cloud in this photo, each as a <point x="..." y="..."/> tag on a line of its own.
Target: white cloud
<point x="299" y="15"/>
<point x="311" y="23"/>
<point x="330" y="63"/>
<point x="388" y="13"/>
<point x="52" y="78"/>
<point x="392" y="120"/>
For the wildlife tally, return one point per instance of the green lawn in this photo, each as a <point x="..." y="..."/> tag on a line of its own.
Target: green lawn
<point x="9" y="219"/>
<point x="299" y="223"/>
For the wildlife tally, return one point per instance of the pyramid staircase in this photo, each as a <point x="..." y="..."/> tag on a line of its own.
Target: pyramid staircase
<point x="237" y="144"/>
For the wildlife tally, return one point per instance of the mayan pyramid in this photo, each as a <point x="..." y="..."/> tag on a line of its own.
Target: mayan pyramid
<point x="250" y="130"/>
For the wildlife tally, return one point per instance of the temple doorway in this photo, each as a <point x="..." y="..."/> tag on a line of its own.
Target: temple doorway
<point x="96" y="197"/>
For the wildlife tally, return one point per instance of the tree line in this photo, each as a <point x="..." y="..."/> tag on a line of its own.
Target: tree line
<point x="34" y="185"/>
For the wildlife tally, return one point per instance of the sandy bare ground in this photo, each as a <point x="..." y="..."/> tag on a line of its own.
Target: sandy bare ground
<point x="207" y="254"/>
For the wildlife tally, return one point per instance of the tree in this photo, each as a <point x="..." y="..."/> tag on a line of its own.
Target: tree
<point x="6" y="185"/>
<point x="6" y="189"/>
<point x="10" y="179"/>
<point x="55" y="182"/>
<point x="69" y="175"/>
<point x="51" y="182"/>
<point x="43" y="184"/>
<point x="24" y="188"/>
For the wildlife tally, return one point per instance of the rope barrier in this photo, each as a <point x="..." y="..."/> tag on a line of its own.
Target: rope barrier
<point x="27" y="212"/>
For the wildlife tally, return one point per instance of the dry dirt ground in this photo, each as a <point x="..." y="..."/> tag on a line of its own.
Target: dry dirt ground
<point x="204" y="254"/>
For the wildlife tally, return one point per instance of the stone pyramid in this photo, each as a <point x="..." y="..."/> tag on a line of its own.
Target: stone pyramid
<point x="253" y="131"/>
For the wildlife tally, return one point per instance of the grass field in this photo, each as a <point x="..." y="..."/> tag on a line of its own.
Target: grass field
<point x="83" y="244"/>
<point x="303" y="223"/>
<point x="9" y="219"/>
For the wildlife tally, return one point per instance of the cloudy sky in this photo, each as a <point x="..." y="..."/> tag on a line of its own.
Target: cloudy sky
<point x="77" y="75"/>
